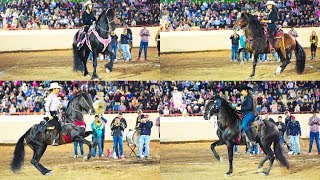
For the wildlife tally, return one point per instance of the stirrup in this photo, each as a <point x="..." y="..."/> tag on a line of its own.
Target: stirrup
<point x="54" y="143"/>
<point x="79" y="45"/>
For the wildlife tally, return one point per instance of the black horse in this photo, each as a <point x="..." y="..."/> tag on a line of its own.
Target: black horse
<point x="229" y="133"/>
<point x="38" y="140"/>
<point x="103" y="28"/>
<point x="258" y="43"/>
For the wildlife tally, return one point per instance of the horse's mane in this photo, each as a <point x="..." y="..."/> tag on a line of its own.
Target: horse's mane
<point x="85" y="95"/>
<point x="101" y="15"/>
<point x="229" y="116"/>
<point x="257" y="33"/>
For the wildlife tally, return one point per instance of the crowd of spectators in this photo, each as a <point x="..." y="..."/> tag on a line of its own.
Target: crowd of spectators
<point x="32" y="14"/>
<point x="176" y="97"/>
<point x="213" y="14"/>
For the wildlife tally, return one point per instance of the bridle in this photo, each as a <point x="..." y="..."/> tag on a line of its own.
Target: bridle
<point x="109" y="22"/>
<point x="80" y="111"/>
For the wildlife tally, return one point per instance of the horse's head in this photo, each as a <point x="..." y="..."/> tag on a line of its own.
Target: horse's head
<point x="212" y="107"/>
<point x="241" y="22"/>
<point x="110" y="19"/>
<point x="86" y="103"/>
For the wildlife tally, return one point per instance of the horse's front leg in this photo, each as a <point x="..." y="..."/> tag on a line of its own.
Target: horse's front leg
<point x="83" y="140"/>
<point x="230" y="155"/>
<point x="254" y="64"/>
<point x="213" y="145"/>
<point x="95" y="63"/>
<point x="109" y="65"/>
<point x="84" y="62"/>
<point x="238" y="54"/>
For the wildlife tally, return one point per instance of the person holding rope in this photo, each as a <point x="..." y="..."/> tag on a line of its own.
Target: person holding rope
<point x="51" y="109"/>
<point x="272" y="18"/>
<point x="88" y="19"/>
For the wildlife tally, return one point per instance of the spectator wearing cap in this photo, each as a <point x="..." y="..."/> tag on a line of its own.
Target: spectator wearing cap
<point x="314" y="123"/>
<point x="294" y="131"/>
<point x="144" y="34"/>
<point x="144" y="139"/>
<point x="118" y="125"/>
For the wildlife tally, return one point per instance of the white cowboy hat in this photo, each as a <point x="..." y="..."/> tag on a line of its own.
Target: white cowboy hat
<point x="55" y="85"/>
<point x="87" y="3"/>
<point x="271" y="3"/>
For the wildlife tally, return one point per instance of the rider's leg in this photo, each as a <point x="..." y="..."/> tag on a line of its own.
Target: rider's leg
<point x="271" y="32"/>
<point x="247" y="120"/>
<point x="82" y="35"/>
<point x="56" y="132"/>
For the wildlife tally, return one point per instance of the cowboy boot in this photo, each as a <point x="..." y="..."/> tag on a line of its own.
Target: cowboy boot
<point x="250" y="137"/>
<point x="55" y="141"/>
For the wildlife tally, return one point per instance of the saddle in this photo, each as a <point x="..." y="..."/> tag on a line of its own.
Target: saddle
<point x="239" y="127"/>
<point x="86" y="39"/>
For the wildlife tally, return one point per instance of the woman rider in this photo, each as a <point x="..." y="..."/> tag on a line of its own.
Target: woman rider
<point x="272" y="18"/>
<point x="248" y="110"/>
<point x="88" y="18"/>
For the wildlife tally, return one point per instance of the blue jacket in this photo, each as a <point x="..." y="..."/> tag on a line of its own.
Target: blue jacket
<point x="146" y="128"/>
<point x="243" y="41"/>
<point x="97" y="129"/>
<point x="293" y="128"/>
<point x="247" y="104"/>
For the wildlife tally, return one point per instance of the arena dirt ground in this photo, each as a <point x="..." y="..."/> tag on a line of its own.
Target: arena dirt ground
<point x="196" y="161"/>
<point x="60" y="160"/>
<point x="216" y="65"/>
<point x="57" y="65"/>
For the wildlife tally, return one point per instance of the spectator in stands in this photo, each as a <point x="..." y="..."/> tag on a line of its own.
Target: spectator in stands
<point x="129" y="32"/>
<point x="314" y="44"/>
<point x="144" y="139"/>
<point x="243" y="47"/>
<point x="282" y="129"/>
<point x="144" y="34"/>
<point x="314" y="123"/>
<point x="114" y="45"/>
<point x="118" y="126"/>
<point x="266" y="117"/>
<point x="235" y="45"/>
<point x="294" y="131"/>
<point x="124" y="40"/>
<point x="97" y="127"/>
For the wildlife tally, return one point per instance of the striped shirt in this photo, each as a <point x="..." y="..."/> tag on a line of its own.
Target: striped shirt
<point x="52" y="104"/>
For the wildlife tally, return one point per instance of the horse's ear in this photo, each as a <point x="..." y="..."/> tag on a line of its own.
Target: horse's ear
<point x="110" y="13"/>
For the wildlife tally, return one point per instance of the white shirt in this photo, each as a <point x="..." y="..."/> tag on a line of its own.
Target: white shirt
<point x="52" y="104"/>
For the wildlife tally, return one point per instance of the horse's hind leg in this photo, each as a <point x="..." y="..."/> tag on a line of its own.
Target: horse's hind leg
<point x="84" y="61"/>
<point x="270" y="156"/>
<point x="213" y="145"/>
<point x="285" y="61"/>
<point x="95" y="63"/>
<point x="37" y="154"/>
<point x="230" y="155"/>
<point x="254" y="64"/>
<point x="109" y="66"/>
<point x="83" y="140"/>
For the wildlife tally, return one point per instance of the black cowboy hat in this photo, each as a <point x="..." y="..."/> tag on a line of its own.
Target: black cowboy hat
<point x="244" y="87"/>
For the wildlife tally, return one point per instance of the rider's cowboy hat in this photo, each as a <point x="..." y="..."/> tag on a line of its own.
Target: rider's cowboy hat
<point x="271" y="3"/>
<point x="87" y="3"/>
<point x="55" y="85"/>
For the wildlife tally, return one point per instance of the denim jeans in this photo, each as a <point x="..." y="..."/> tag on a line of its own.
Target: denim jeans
<point x="118" y="145"/>
<point x="263" y="57"/>
<point x="114" y="48"/>
<point x="247" y="120"/>
<point x="94" y="150"/>
<point x="75" y="147"/>
<point x="315" y="136"/>
<point x="281" y="140"/>
<point x="254" y="149"/>
<point x="144" y="46"/>
<point x="290" y="55"/>
<point x="144" y="140"/>
<point x="295" y="145"/>
<point x="234" y="51"/>
<point x="235" y="148"/>
<point x="276" y="56"/>
<point x="245" y="55"/>
<point x="126" y="51"/>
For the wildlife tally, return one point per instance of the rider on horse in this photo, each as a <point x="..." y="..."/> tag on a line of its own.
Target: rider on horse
<point x="51" y="109"/>
<point x="272" y="18"/>
<point x="88" y="18"/>
<point x="248" y="110"/>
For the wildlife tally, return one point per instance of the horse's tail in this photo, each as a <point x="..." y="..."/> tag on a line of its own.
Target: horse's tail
<point x="300" y="58"/>
<point x="279" y="153"/>
<point x="19" y="154"/>
<point x="87" y="133"/>
<point x="76" y="54"/>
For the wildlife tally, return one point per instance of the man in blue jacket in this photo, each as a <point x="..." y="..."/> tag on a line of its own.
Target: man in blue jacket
<point x="145" y="127"/>
<point x="294" y="131"/>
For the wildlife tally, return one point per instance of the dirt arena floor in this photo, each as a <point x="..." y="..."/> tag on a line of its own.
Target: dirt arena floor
<point x="60" y="160"/>
<point x="216" y="65"/>
<point x="57" y="65"/>
<point x="196" y="161"/>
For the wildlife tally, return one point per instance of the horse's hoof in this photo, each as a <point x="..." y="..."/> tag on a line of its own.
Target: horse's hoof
<point x="85" y="158"/>
<point x="263" y="174"/>
<point x="278" y="71"/>
<point x="48" y="173"/>
<point x="108" y="70"/>
<point x="221" y="159"/>
<point x="227" y="174"/>
<point x="259" y="170"/>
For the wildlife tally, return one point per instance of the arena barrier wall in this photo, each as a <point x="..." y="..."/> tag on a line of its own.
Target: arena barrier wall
<point x="31" y="40"/>
<point x="195" y="128"/>
<point x="188" y="41"/>
<point x="13" y="127"/>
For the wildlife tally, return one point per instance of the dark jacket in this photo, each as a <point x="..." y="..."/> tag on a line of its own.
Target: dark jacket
<point x="235" y="39"/>
<point x="130" y="33"/>
<point x="117" y="130"/>
<point x="282" y="128"/>
<point x="146" y="128"/>
<point x="271" y="120"/>
<point x="114" y="39"/>
<point x="88" y="18"/>
<point x="247" y="104"/>
<point x="293" y="128"/>
<point x="124" y="39"/>
<point x="273" y="16"/>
